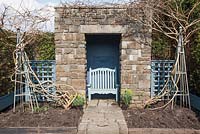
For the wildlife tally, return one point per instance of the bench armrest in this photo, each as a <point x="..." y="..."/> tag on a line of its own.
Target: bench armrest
<point x="88" y="85"/>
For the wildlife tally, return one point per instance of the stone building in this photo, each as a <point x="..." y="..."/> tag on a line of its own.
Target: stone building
<point x="103" y="37"/>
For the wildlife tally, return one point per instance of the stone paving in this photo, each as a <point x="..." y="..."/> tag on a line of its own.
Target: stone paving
<point x="102" y="117"/>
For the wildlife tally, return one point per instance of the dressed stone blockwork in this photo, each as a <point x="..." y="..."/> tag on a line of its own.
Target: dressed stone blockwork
<point x="71" y="25"/>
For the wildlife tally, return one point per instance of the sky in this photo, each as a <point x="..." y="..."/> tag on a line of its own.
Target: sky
<point x="48" y="1"/>
<point x="32" y="5"/>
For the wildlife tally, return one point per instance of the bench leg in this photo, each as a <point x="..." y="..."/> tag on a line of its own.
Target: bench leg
<point x="116" y="97"/>
<point x="89" y="97"/>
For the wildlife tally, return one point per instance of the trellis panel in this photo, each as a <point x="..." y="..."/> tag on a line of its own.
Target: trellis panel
<point x="45" y="71"/>
<point x="160" y="72"/>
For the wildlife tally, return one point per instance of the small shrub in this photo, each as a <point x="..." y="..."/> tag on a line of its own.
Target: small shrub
<point x="126" y="97"/>
<point x="79" y="101"/>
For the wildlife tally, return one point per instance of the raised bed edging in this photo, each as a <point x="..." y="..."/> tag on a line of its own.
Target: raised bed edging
<point x="194" y="100"/>
<point x="162" y="131"/>
<point x="6" y="101"/>
<point x="39" y="130"/>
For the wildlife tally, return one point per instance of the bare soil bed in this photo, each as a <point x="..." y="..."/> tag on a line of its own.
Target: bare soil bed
<point x="47" y="117"/>
<point x="165" y="118"/>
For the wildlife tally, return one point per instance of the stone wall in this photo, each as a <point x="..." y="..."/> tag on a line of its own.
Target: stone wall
<point x="71" y="25"/>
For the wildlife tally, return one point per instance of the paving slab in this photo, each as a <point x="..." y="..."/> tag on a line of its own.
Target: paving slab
<point x="103" y="117"/>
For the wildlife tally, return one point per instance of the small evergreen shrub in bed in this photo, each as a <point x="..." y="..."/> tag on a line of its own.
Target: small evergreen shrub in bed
<point x="126" y="98"/>
<point x="79" y="101"/>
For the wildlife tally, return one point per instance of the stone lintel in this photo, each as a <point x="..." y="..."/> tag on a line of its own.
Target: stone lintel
<point x="103" y="29"/>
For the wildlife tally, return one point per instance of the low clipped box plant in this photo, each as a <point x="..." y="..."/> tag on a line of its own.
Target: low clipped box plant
<point x="79" y="101"/>
<point x="126" y="97"/>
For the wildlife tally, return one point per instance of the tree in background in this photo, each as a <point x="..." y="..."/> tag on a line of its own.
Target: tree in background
<point x="167" y="17"/>
<point x="195" y="65"/>
<point x="43" y="48"/>
<point x="7" y="46"/>
<point x="31" y="24"/>
<point x="161" y="47"/>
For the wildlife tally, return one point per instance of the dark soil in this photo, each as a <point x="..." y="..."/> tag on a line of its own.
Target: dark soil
<point x="51" y="117"/>
<point x="165" y="118"/>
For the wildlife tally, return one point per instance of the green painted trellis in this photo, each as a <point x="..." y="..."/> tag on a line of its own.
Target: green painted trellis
<point x="45" y="71"/>
<point x="160" y="72"/>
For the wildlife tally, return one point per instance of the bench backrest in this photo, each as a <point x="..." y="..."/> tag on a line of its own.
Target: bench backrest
<point x="102" y="78"/>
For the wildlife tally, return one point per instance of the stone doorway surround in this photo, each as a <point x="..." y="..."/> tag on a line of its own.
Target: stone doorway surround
<point x="71" y="25"/>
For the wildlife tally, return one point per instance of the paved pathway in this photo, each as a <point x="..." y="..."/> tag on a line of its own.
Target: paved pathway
<point x="102" y="117"/>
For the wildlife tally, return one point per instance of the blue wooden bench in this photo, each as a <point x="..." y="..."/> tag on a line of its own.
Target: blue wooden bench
<point x="102" y="81"/>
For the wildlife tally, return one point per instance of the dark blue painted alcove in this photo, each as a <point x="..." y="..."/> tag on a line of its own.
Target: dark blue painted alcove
<point x="103" y="51"/>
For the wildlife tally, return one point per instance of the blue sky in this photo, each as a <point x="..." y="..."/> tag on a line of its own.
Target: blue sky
<point x="48" y="11"/>
<point x="48" y="1"/>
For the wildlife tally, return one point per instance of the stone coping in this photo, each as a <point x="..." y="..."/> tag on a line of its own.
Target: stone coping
<point x="73" y="130"/>
<point x="162" y="131"/>
<point x="120" y="6"/>
<point x="38" y="130"/>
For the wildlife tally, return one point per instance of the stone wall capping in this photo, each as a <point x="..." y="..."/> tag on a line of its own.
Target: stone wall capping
<point x="92" y="7"/>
